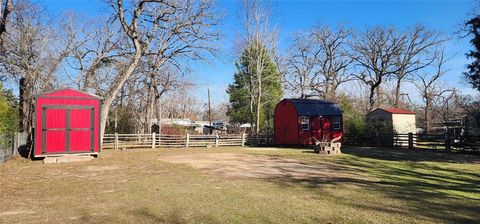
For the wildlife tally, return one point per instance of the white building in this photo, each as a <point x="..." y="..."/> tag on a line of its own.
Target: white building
<point x="399" y="121"/>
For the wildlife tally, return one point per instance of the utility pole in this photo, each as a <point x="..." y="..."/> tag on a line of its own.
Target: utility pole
<point x="209" y="109"/>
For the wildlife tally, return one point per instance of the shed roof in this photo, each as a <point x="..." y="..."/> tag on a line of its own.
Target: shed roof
<point x="396" y="110"/>
<point x="315" y="107"/>
<point x="67" y="92"/>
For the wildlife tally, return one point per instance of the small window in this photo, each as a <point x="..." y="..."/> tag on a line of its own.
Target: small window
<point x="336" y="123"/>
<point x="305" y="123"/>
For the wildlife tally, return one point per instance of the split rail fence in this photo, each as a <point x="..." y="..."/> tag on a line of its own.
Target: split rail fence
<point x="124" y="141"/>
<point x="441" y="142"/>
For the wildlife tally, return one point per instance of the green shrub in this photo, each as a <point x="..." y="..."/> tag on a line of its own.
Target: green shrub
<point x="353" y="121"/>
<point x="8" y="117"/>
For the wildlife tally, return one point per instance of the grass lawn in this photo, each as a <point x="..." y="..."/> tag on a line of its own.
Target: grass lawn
<point x="244" y="185"/>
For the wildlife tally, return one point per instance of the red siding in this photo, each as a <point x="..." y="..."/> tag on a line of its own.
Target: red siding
<point x="285" y="123"/>
<point x="71" y="119"/>
<point x="288" y="129"/>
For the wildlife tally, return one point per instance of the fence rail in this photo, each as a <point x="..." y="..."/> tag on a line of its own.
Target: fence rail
<point x="120" y="141"/>
<point x="416" y="141"/>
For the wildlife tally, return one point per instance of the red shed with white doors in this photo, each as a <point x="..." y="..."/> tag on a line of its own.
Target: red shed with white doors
<point x="66" y="122"/>
<point x="297" y="121"/>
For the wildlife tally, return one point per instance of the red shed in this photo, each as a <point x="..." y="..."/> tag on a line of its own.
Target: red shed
<point x="66" y="122"/>
<point x="297" y="121"/>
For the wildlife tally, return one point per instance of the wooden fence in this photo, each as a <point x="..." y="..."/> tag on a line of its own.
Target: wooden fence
<point x="403" y="141"/>
<point x="443" y="142"/>
<point x="121" y="141"/>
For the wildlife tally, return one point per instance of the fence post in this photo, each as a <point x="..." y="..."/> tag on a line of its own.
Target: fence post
<point x="159" y="139"/>
<point x="153" y="140"/>
<point x="447" y="141"/>
<point x="410" y="140"/>
<point x="187" y="141"/>
<point x="116" y="141"/>
<point x="216" y="140"/>
<point x="243" y="139"/>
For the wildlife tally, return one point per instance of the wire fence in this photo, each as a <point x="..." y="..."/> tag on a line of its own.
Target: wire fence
<point x="10" y="143"/>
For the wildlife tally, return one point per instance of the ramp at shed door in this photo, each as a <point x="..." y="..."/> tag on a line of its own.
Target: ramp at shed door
<point x="67" y="129"/>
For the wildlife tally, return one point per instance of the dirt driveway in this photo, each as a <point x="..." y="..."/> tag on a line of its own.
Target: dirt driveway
<point x="234" y="165"/>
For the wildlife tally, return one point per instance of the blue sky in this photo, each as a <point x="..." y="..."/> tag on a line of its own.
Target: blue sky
<point x="293" y="16"/>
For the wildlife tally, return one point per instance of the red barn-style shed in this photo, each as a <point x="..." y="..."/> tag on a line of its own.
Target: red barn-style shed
<point x="297" y="121"/>
<point x="66" y="122"/>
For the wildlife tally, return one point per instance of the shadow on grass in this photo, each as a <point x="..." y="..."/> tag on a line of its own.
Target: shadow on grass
<point x="440" y="186"/>
<point x="173" y="216"/>
<point x="411" y="155"/>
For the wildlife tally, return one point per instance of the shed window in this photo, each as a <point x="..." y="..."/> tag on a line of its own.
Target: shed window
<point x="336" y="123"/>
<point x="305" y="123"/>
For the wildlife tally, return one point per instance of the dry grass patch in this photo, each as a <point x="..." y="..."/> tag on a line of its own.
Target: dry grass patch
<point x="243" y="186"/>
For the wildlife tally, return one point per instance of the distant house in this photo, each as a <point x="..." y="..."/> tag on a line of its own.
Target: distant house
<point x="182" y="126"/>
<point x="392" y="120"/>
<point x="176" y="126"/>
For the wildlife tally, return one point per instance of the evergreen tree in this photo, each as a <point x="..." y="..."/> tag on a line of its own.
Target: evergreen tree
<point x="248" y="85"/>
<point x="473" y="73"/>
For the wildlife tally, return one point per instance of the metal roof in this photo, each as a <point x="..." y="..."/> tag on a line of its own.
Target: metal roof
<point x="316" y="107"/>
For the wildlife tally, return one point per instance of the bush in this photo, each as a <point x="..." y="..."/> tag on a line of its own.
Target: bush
<point x="353" y="121"/>
<point x="8" y="117"/>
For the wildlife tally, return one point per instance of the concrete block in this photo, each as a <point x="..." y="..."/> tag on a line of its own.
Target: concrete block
<point x="67" y="159"/>
<point x="336" y="144"/>
<point x="79" y="158"/>
<point x="48" y="160"/>
<point x="62" y="159"/>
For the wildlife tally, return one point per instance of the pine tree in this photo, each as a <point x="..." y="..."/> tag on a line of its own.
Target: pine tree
<point x="473" y="73"/>
<point x="248" y="85"/>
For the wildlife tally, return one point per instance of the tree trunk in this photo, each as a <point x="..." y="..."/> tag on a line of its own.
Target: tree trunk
<point x="27" y="111"/>
<point x="370" y="98"/>
<point x="4" y="13"/>
<point x="150" y="106"/>
<point x="427" y="117"/>
<point x="259" y="103"/>
<point x="90" y="73"/>
<point x="397" y="93"/>
<point x="252" y="100"/>
<point x="159" y="113"/>
<point x="116" y="87"/>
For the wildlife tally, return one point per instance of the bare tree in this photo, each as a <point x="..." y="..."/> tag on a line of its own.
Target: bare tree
<point x="174" y="28"/>
<point x="302" y="66"/>
<point x="319" y="62"/>
<point x="431" y="89"/>
<point x="29" y="58"/>
<point x="447" y="108"/>
<point x="97" y="45"/>
<point x="260" y="43"/>
<point x="374" y="54"/>
<point x="158" y="81"/>
<point x="417" y="52"/>
<point x="333" y="59"/>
